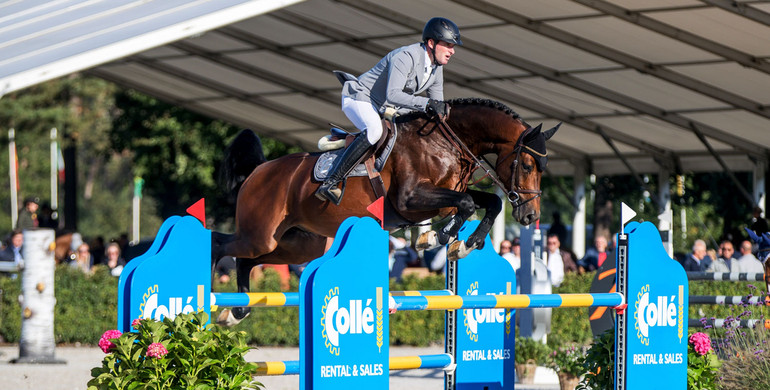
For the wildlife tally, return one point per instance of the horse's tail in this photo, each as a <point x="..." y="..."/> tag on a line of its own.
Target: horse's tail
<point x="241" y="157"/>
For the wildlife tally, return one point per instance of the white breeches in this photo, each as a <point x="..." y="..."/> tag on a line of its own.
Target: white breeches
<point x="364" y="116"/>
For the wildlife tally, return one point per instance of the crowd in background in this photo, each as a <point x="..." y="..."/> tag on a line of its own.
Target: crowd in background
<point x="733" y="254"/>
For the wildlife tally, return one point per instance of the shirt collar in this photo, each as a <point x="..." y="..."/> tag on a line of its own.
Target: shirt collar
<point x="428" y="63"/>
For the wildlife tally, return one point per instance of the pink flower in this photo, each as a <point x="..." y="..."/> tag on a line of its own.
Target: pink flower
<point x="701" y="343"/>
<point x="156" y="350"/>
<point x="105" y="344"/>
<point x="135" y="323"/>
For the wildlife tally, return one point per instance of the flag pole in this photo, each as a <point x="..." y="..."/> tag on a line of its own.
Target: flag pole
<point x="14" y="177"/>
<point x="54" y="172"/>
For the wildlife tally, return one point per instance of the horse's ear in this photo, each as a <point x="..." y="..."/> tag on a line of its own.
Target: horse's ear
<point x="550" y="132"/>
<point x="533" y="134"/>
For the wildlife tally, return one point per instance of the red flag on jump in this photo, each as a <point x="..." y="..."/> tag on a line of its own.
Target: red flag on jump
<point x="198" y="210"/>
<point x="377" y="209"/>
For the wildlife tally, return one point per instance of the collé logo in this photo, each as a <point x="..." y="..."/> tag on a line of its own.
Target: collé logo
<point x="657" y="311"/>
<point x="150" y="307"/>
<point x="355" y="316"/>
<point x="473" y="318"/>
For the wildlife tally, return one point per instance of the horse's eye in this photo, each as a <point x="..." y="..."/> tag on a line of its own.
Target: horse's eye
<point x="527" y="168"/>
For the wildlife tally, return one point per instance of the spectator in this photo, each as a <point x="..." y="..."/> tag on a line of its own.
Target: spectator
<point x="595" y="256"/>
<point x="82" y="259"/>
<point x="723" y="261"/>
<point x="559" y="261"/>
<point x="513" y="255"/>
<point x="758" y="223"/>
<point x="747" y="262"/>
<point x="403" y="256"/>
<point x="697" y="261"/>
<point x="28" y="215"/>
<point x="558" y="228"/>
<point x="505" y="247"/>
<point x="114" y="261"/>
<point x="99" y="252"/>
<point x="13" y="252"/>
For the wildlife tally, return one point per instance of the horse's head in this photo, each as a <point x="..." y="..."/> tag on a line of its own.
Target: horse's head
<point x="520" y="168"/>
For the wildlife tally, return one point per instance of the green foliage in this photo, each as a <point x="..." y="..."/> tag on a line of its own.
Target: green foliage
<point x="422" y="327"/>
<point x="745" y="352"/>
<point x="599" y="363"/>
<point x="571" y="324"/>
<point x="85" y="305"/>
<point x="702" y="368"/>
<point x="528" y="350"/>
<point x="568" y="360"/>
<point x="192" y="356"/>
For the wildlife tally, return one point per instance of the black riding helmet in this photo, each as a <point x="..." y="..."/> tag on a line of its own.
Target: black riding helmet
<point x="441" y="29"/>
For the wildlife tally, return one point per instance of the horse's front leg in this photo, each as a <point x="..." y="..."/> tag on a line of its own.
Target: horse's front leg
<point x="492" y="206"/>
<point x="435" y="198"/>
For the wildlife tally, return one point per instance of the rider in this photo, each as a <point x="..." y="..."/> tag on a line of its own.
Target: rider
<point x="395" y="81"/>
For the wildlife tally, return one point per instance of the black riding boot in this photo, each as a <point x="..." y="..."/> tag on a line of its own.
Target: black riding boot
<point x="345" y="163"/>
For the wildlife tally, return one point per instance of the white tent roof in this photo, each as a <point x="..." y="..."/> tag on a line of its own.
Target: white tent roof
<point x="672" y="83"/>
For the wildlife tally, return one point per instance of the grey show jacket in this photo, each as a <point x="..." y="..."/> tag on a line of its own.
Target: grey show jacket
<point x="395" y="81"/>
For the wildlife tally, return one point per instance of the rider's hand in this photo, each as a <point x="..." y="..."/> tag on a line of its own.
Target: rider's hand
<point x="437" y="107"/>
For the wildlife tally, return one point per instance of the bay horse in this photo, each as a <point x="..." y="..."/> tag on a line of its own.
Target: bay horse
<point x="280" y="221"/>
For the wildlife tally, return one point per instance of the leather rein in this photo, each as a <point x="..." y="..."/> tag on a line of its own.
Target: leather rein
<point x="512" y="194"/>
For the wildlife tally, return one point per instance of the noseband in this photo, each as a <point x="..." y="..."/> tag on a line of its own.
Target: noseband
<point x="512" y="194"/>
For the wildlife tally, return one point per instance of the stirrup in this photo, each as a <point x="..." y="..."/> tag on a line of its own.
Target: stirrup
<point x="331" y="193"/>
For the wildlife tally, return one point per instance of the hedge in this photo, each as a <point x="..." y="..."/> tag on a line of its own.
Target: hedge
<point x="87" y="306"/>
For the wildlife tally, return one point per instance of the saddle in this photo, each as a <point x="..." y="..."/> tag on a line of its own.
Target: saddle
<point x="373" y="162"/>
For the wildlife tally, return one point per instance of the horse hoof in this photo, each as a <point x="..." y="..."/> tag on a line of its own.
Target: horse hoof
<point x="426" y="240"/>
<point x="457" y="250"/>
<point x="226" y="318"/>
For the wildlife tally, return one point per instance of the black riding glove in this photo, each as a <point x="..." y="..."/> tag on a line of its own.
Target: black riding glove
<point x="437" y="107"/>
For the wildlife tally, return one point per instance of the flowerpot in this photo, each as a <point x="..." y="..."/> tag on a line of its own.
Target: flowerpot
<point x="567" y="381"/>
<point x="526" y="371"/>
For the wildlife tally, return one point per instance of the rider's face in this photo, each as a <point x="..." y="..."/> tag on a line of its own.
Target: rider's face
<point x="444" y="51"/>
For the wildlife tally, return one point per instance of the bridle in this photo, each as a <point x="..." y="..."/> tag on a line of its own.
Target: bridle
<point x="513" y="194"/>
<point x="515" y="166"/>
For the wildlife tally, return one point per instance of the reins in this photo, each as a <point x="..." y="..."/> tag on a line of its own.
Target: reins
<point x="512" y="195"/>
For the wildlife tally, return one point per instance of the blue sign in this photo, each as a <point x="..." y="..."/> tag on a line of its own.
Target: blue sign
<point x="656" y="317"/>
<point x="173" y="277"/>
<point x="345" y="300"/>
<point x="485" y="337"/>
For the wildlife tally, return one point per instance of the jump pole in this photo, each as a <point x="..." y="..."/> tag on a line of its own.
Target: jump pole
<point x="360" y="314"/>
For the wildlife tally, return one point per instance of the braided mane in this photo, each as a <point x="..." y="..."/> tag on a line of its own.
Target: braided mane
<point x="463" y="102"/>
<point x="486" y="103"/>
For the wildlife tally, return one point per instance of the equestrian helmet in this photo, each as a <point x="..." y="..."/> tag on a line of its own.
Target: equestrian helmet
<point x="441" y="29"/>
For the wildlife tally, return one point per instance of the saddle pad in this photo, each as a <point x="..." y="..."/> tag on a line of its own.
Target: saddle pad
<point x="326" y="161"/>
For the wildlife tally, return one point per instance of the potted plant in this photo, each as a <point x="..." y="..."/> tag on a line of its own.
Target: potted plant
<point x="568" y="364"/>
<point x="529" y="354"/>
<point x="182" y="353"/>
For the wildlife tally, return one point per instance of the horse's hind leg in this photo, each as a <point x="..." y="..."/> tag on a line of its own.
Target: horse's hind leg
<point x="295" y="247"/>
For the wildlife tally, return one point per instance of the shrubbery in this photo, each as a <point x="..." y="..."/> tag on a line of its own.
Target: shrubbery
<point x="87" y="304"/>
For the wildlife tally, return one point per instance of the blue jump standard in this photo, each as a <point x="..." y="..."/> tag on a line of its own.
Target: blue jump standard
<point x="344" y="321"/>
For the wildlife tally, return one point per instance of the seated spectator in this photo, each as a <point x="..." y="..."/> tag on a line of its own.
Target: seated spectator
<point x="513" y="255"/>
<point x="13" y="252"/>
<point x="114" y="261"/>
<point x="724" y="259"/>
<point x="697" y="261"/>
<point x="747" y="262"/>
<point x="595" y="256"/>
<point x="402" y="256"/>
<point x="82" y="258"/>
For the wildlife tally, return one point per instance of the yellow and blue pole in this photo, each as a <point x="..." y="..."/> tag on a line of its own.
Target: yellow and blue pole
<point x="291" y="367"/>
